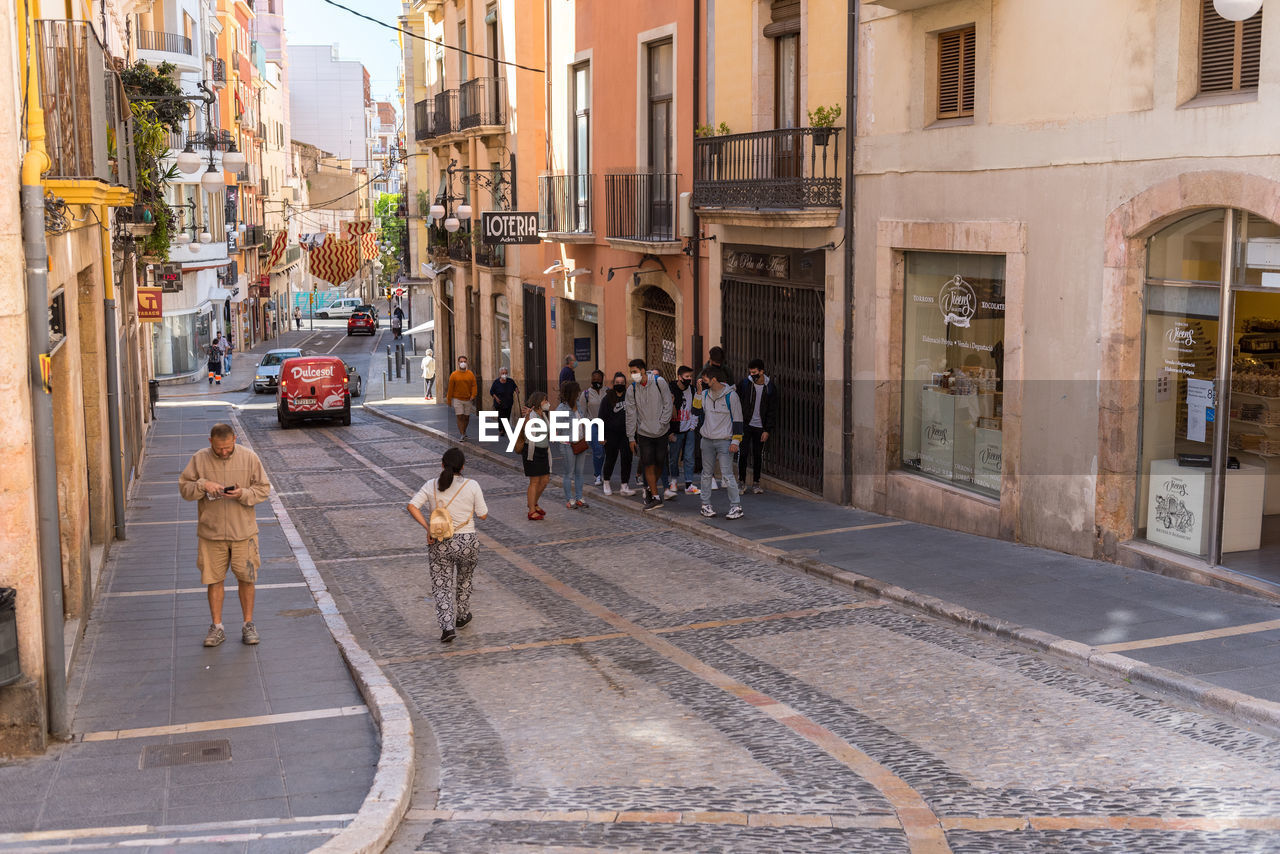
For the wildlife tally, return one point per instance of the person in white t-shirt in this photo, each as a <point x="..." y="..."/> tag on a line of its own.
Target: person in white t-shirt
<point x="452" y="561"/>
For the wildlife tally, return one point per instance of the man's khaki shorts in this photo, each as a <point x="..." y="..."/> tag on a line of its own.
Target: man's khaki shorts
<point x="215" y="557"/>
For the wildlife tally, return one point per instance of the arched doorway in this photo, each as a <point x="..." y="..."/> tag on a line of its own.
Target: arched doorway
<point x="659" y="312"/>
<point x="1209" y="444"/>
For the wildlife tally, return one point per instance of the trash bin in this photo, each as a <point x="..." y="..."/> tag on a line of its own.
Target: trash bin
<point x="9" y="671"/>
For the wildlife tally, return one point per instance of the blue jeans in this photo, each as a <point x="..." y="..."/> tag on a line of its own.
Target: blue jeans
<point x="682" y="449"/>
<point x="575" y="472"/>
<point x="597" y="456"/>
<point x="718" y="450"/>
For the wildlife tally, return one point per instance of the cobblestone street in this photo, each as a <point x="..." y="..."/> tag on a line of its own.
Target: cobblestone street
<point x="628" y="687"/>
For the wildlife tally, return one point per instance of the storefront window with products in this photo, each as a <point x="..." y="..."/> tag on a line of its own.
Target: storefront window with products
<point x="953" y="368"/>
<point x="1211" y="366"/>
<point x="178" y="343"/>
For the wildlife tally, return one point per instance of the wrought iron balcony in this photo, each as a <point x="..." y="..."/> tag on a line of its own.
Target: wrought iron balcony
<point x="445" y="119"/>
<point x="85" y="106"/>
<point x="482" y="102"/>
<point x="641" y="206"/>
<point x="564" y="204"/>
<point x="424" y="115"/>
<point x="219" y="140"/>
<point x="166" y="42"/>
<point x="460" y="245"/>
<point x="491" y="256"/>
<point x="219" y="71"/>
<point x="254" y="235"/>
<point x="788" y="168"/>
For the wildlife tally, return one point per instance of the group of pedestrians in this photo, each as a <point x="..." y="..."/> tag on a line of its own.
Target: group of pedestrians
<point x="218" y="358"/>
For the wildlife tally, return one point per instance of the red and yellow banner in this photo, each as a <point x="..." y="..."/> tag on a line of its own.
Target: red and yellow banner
<point x="150" y="305"/>
<point x="335" y="260"/>
<point x="278" y="246"/>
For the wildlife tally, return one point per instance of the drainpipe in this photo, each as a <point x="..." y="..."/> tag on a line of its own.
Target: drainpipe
<point x="696" y="342"/>
<point x="113" y="378"/>
<point x="49" y="536"/>
<point x="851" y="133"/>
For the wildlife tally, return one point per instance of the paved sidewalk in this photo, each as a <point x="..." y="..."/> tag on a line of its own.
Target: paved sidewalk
<point x="243" y="364"/>
<point x="235" y="748"/>
<point x="1211" y="648"/>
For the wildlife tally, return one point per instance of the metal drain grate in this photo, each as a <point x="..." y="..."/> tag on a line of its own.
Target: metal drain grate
<point x="186" y="753"/>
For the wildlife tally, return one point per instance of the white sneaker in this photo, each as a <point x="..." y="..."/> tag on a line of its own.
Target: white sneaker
<point x="607" y="488"/>
<point x="627" y="490"/>
<point x="690" y="489"/>
<point x="735" y="512"/>
<point x="598" y="482"/>
<point x="707" y="511"/>
<point x="669" y="493"/>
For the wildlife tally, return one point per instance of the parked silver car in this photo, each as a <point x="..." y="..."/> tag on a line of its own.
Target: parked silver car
<point x="267" y="375"/>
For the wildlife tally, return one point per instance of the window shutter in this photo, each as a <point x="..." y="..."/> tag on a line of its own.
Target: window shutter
<point x="956" y="73"/>
<point x="1230" y="51"/>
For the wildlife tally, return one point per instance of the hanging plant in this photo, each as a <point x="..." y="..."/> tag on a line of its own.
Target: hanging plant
<point x="150" y="145"/>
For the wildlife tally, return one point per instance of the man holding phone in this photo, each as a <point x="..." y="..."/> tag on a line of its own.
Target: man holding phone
<point x="227" y="481"/>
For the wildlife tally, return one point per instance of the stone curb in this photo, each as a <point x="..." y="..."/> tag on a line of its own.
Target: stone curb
<point x="1236" y="706"/>
<point x="388" y="798"/>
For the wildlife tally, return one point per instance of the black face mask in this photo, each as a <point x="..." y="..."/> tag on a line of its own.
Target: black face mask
<point x="597" y="386"/>
<point x="619" y="387"/>
<point x="684" y="383"/>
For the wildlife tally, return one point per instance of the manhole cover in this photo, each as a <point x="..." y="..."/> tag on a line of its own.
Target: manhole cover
<point x="186" y="753"/>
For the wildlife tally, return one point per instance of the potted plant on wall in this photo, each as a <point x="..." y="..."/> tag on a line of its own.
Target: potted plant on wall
<point x="822" y="119"/>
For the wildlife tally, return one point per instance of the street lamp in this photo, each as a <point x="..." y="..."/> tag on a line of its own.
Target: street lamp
<point x="188" y="161"/>
<point x="211" y="180"/>
<point x="1237" y="10"/>
<point x="233" y="160"/>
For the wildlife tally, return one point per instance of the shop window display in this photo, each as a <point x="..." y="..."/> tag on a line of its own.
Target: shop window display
<point x="953" y="368"/>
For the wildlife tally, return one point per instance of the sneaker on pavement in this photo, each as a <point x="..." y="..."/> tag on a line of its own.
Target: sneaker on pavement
<point x="653" y="502"/>
<point x="607" y="488"/>
<point x="669" y="493"/>
<point x="597" y="482"/>
<point x="690" y="489"/>
<point x="626" y="490"/>
<point x="735" y="512"/>
<point x="249" y="634"/>
<point x="708" y="511"/>
<point x="757" y="490"/>
<point x="215" y="637"/>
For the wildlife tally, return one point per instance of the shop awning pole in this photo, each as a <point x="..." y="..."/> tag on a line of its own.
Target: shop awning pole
<point x="1222" y="417"/>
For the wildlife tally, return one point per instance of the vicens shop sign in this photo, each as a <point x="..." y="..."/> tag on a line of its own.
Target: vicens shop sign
<point x="509" y="228"/>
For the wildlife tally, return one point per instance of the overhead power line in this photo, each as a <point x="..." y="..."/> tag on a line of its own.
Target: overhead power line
<point x="432" y="41"/>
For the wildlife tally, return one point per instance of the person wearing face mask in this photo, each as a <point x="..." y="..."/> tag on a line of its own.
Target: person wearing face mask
<point x="682" y="436"/>
<point x="429" y="376"/>
<point x="503" y="391"/>
<point x="536" y="456"/>
<point x="567" y="374"/>
<point x="461" y="394"/>
<point x="648" y="422"/>
<point x="574" y="465"/>
<point x="592" y="397"/>
<point x="719" y="415"/>
<point x="759" y="397"/>
<point x="613" y="413"/>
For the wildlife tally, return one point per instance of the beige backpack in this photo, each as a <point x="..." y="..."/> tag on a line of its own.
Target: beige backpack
<point x="440" y="524"/>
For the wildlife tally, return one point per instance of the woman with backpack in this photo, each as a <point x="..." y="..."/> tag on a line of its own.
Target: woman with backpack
<point x="454" y="503"/>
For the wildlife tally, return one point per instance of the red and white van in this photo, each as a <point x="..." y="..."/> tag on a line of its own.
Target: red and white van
<point x="313" y="387"/>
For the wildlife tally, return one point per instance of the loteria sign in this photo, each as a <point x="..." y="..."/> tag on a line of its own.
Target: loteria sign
<point x="150" y="304"/>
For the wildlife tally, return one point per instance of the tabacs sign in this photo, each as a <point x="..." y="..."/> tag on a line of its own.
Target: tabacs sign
<point x="509" y="228"/>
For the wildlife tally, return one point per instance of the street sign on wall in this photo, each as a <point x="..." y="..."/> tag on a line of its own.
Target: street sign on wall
<point x="508" y="228"/>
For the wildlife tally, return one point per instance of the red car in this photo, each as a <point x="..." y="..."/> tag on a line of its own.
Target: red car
<point x="361" y="322"/>
<point x="313" y="387"/>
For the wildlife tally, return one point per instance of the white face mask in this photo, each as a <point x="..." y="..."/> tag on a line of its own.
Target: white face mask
<point x="546" y="406"/>
<point x="502" y="376"/>
<point x="635" y="378"/>
<point x="462" y="366"/>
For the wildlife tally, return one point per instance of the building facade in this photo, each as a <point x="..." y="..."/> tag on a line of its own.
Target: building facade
<point x="1065" y="291"/>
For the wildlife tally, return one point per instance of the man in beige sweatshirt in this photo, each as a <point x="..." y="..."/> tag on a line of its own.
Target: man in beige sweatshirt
<point x="227" y="481"/>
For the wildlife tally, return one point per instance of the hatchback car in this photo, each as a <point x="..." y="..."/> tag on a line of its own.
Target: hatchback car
<point x="369" y="309"/>
<point x="313" y="387"/>
<point x="267" y="376"/>
<point x="361" y="322"/>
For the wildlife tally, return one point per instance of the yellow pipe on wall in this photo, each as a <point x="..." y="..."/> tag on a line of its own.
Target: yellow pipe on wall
<point x="36" y="161"/>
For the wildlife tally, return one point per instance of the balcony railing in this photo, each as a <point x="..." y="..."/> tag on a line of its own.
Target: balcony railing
<point x="460" y="245"/>
<point x="254" y="235"/>
<point x="167" y="42"/>
<point x="446" y="113"/>
<point x="641" y="206"/>
<point x="482" y="102"/>
<point x="89" y="131"/>
<point x="219" y="71"/>
<point x="218" y="141"/>
<point x="792" y="168"/>
<point x="564" y="204"/>
<point x="491" y="256"/>
<point x="424" y="119"/>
